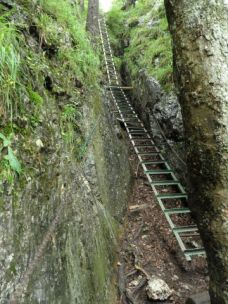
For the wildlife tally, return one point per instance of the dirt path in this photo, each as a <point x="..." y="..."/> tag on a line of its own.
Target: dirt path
<point x="149" y="244"/>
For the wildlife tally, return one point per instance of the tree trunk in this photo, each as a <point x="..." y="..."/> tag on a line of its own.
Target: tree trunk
<point x="92" y="17"/>
<point x="200" y="43"/>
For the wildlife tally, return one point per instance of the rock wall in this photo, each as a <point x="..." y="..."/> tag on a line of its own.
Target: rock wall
<point x="64" y="172"/>
<point x="161" y="114"/>
<point x="77" y="265"/>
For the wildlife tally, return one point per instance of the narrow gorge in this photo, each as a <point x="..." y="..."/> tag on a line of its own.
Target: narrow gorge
<point x="113" y="152"/>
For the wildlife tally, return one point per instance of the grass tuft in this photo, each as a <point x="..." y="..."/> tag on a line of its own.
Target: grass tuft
<point x="9" y="67"/>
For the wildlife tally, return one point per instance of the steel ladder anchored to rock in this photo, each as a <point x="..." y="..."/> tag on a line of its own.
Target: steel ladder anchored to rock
<point x="169" y="192"/>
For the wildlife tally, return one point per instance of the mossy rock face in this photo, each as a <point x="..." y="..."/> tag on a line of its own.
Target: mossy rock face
<point x="149" y="47"/>
<point x="67" y="158"/>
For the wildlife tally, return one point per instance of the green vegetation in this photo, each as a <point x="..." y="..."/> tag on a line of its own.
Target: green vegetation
<point x="47" y="65"/>
<point x="145" y="27"/>
<point x="70" y="118"/>
<point x="8" y="160"/>
<point x="35" y="97"/>
<point x="9" y="67"/>
<point x="64" y="27"/>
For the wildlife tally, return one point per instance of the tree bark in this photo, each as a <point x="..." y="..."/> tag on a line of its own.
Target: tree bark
<point x="92" y="17"/>
<point x="200" y="45"/>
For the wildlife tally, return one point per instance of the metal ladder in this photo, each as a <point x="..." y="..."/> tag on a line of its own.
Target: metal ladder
<point x="169" y="192"/>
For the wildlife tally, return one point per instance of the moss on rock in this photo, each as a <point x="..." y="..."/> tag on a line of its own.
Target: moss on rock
<point x="148" y="47"/>
<point x="52" y="110"/>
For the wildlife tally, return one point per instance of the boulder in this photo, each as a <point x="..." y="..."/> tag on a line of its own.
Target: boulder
<point x="158" y="289"/>
<point x="168" y="112"/>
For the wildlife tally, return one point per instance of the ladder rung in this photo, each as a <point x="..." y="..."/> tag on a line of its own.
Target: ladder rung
<point x="136" y="133"/>
<point x="138" y="126"/>
<point x="139" y="144"/>
<point x="140" y="138"/>
<point x="194" y="252"/>
<point x="177" y="211"/>
<point x="133" y="116"/>
<point x="154" y="162"/>
<point x="156" y="172"/>
<point x="183" y="229"/>
<point x="172" y="195"/>
<point x="119" y="88"/>
<point x="129" y="115"/>
<point x="124" y="112"/>
<point x="144" y="146"/>
<point x="131" y="119"/>
<point x="136" y="130"/>
<point x="127" y="107"/>
<point x="149" y="153"/>
<point x="165" y="182"/>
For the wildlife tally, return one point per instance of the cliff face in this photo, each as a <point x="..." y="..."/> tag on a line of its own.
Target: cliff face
<point x="62" y="159"/>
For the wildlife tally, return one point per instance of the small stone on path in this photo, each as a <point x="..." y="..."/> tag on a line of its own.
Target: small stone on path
<point x="158" y="289"/>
